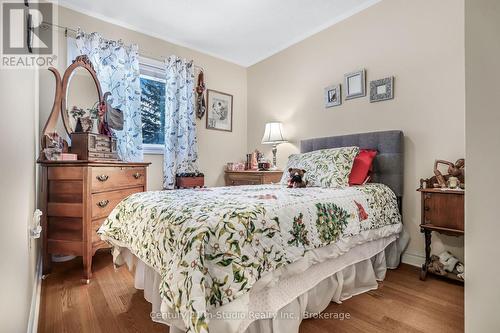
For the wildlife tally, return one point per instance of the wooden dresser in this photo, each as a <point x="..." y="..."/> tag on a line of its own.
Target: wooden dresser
<point x="251" y="177"/>
<point x="76" y="197"/>
<point x="442" y="212"/>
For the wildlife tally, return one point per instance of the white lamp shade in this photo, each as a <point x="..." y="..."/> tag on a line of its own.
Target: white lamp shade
<point x="273" y="134"/>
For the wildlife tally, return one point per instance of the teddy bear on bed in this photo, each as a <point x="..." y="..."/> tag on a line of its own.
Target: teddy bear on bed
<point x="296" y="178"/>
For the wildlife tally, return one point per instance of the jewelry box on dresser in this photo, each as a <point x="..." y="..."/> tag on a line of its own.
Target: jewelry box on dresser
<point x="81" y="180"/>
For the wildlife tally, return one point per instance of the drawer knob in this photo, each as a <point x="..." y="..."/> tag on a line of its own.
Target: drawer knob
<point x="137" y="175"/>
<point x="102" y="178"/>
<point x="103" y="203"/>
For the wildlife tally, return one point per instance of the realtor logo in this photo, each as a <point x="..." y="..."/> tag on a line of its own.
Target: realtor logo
<point x="27" y="36"/>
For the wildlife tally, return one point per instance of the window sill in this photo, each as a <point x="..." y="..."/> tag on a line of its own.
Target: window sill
<point x="152" y="149"/>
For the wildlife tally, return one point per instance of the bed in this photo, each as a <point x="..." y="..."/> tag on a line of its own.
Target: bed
<point x="262" y="258"/>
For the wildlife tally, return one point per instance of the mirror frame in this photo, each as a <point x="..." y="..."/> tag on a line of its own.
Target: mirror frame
<point x="80" y="61"/>
<point x="51" y="123"/>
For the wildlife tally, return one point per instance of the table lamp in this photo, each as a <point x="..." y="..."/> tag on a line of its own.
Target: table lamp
<point x="273" y="135"/>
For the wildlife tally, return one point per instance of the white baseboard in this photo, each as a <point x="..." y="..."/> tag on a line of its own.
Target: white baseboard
<point x="35" y="298"/>
<point x="413" y="259"/>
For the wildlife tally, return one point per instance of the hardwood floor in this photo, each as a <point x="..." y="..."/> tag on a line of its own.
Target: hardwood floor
<point x="110" y="303"/>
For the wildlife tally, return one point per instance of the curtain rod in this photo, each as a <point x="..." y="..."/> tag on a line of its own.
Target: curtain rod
<point x="46" y="25"/>
<point x="74" y="31"/>
<point x="162" y="60"/>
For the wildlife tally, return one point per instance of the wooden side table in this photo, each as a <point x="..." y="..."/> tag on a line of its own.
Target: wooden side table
<point x="442" y="212"/>
<point x="252" y="177"/>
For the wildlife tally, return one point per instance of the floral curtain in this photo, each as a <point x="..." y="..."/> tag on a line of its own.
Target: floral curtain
<point x="181" y="152"/>
<point x="117" y="67"/>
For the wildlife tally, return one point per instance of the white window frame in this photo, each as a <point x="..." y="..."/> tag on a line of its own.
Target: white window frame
<point x="148" y="148"/>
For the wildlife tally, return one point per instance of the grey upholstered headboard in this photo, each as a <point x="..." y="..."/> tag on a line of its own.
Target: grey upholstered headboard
<point x="388" y="165"/>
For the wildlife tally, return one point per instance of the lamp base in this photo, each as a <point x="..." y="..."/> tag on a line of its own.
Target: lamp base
<point x="275" y="150"/>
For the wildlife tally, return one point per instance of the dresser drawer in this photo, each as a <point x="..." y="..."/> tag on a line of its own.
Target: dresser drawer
<point x="96" y="224"/>
<point x="252" y="180"/>
<point x="273" y="178"/>
<point x="244" y="179"/>
<point x="444" y="210"/>
<point x="97" y="242"/>
<point x="252" y="177"/>
<point x="103" y="203"/>
<point x="237" y="182"/>
<point x="103" y="156"/>
<point x="108" y="178"/>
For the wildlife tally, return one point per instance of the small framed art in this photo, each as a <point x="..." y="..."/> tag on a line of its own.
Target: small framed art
<point x="382" y="90"/>
<point x="219" y="111"/>
<point x="333" y="96"/>
<point x="355" y="84"/>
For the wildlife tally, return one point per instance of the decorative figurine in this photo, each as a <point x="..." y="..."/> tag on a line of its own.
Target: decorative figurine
<point x="454" y="170"/>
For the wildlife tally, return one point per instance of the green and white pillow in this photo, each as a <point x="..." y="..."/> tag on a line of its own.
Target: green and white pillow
<point x="324" y="168"/>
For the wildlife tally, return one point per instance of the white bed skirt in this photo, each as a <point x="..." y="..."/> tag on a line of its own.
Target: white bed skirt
<point x="280" y="300"/>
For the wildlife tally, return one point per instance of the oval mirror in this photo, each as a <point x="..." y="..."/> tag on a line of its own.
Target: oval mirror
<point x="81" y="96"/>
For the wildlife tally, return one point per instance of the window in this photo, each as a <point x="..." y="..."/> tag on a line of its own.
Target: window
<point x="152" y="76"/>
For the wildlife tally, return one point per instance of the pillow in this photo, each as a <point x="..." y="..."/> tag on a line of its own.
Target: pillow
<point x="324" y="168"/>
<point x="362" y="167"/>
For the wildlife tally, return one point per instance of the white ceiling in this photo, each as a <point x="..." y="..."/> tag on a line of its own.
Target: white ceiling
<point x="241" y="31"/>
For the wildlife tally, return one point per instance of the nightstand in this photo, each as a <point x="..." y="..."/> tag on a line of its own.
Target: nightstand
<point x="252" y="177"/>
<point x="442" y="212"/>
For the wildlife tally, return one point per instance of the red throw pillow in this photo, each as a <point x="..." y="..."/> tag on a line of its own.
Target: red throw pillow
<point x="362" y="166"/>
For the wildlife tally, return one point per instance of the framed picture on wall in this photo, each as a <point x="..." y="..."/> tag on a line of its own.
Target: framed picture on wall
<point x="333" y="96"/>
<point x="355" y="84"/>
<point x="219" y="111"/>
<point x="382" y="90"/>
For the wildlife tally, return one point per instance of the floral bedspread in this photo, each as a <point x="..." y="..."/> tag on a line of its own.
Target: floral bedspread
<point x="211" y="245"/>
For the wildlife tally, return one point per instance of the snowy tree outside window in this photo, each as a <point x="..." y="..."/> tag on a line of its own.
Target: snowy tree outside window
<point x="153" y="110"/>
<point x="152" y="77"/>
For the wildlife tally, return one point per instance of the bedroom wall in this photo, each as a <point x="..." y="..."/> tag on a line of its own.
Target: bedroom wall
<point x="421" y="43"/>
<point x="215" y="147"/>
<point x="17" y="196"/>
<point x="482" y="51"/>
